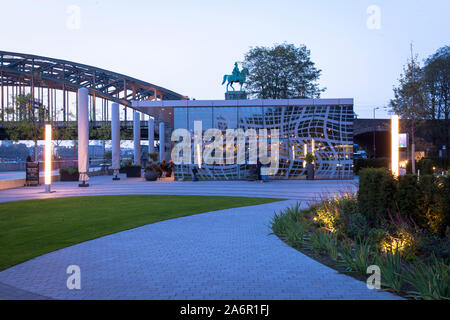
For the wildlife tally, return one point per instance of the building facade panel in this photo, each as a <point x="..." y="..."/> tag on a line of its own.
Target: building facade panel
<point x="323" y="127"/>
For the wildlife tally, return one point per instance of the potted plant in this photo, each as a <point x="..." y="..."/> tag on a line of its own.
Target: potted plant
<point x="309" y="158"/>
<point x="150" y="174"/>
<point x="69" y="174"/>
<point x="133" y="171"/>
<point x="153" y="156"/>
<point x="124" y="165"/>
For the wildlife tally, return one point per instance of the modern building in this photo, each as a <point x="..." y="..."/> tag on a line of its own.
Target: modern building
<point x="323" y="127"/>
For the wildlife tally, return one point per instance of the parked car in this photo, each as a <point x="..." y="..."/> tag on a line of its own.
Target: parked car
<point x="360" y="154"/>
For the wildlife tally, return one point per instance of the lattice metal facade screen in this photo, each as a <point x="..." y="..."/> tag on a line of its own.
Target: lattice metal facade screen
<point x="327" y="130"/>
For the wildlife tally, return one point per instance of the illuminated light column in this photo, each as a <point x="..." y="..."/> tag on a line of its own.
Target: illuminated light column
<point x="151" y="135"/>
<point x="394" y="145"/>
<point x="83" y="135"/>
<point x="48" y="158"/>
<point x="199" y="156"/>
<point x="162" y="141"/>
<point x="305" y="152"/>
<point x="293" y="152"/>
<point x="137" y="137"/>
<point x="115" y="139"/>
<point x="198" y="142"/>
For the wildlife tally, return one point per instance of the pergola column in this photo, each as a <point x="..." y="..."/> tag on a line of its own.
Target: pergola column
<point x="83" y="135"/>
<point x="162" y="141"/>
<point x="151" y="135"/>
<point x="137" y="137"/>
<point x="115" y="139"/>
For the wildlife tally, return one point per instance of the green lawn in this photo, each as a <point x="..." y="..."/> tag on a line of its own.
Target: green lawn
<point x="34" y="227"/>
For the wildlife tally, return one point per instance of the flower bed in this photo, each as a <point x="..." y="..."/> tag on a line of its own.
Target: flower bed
<point x="380" y="226"/>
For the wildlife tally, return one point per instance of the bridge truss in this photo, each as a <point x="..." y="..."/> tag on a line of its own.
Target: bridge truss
<point x="53" y="84"/>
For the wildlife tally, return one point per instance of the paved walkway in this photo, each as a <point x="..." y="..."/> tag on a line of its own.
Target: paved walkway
<point x="226" y="254"/>
<point x="103" y="185"/>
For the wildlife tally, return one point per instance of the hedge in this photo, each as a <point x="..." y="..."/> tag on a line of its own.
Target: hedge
<point x="359" y="164"/>
<point x="424" y="200"/>
<point x="376" y="194"/>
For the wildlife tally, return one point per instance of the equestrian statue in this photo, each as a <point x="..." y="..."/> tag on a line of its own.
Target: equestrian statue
<point x="236" y="76"/>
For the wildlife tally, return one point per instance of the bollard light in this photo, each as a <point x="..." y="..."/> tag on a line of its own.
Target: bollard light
<point x="48" y="157"/>
<point x="199" y="156"/>
<point x="305" y="152"/>
<point x="394" y="145"/>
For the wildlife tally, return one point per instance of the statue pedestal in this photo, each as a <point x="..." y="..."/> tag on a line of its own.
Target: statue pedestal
<point x="235" y="95"/>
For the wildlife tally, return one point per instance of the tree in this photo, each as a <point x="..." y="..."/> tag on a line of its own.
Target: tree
<point x="437" y="79"/>
<point x="411" y="100"/>
<point x="30" y="115"/>
<point x="69" y="131"/>
<point x="102" y="133"/>
<point x="281" y="72"/>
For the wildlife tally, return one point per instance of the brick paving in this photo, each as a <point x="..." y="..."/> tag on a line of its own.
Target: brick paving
<point x="226" y="254"/>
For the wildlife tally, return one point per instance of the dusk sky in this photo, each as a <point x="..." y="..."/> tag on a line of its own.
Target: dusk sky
<point x="187" y="46"/>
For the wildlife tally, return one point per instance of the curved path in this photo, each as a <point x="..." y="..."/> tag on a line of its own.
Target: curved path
<point x="226" y="254"/>
<point x="103" y="185"/>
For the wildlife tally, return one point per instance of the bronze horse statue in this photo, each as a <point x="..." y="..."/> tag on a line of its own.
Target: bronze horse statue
<point x="235" y="77"/>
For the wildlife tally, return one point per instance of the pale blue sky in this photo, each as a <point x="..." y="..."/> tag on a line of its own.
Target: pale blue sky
<point x="187" y="46"/>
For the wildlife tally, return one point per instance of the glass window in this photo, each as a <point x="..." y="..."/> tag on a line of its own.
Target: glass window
<point x="204" y="114"/>
<point x="225" y="118"/>
<point x="180" y="118"/>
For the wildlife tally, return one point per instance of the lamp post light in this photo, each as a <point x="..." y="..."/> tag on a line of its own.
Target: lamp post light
<point x="374" y="134"/>
<point x="394" y="145"/>
<point x="48" y="158"/>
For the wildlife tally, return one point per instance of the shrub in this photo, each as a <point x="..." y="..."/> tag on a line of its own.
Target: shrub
<point x="357" y="259"/>
<point x="441" y="163"/>
<point x="430" y="206"/>
<point x="309" y="158"/>
<point x="331" y="214"/>
<point x="391" y="268"/>
<point x="68" y="170"/>
<point x="356" y="226"/>
<point x="376" y="237"/>
<point x="407" y="195"/>
<point x="133" y="166"/>
<point x="376" y="195"/>
<point x="430" y="281"/>
<point x="359" y="164"/>
<point x="327" y="216"/>
<point x="440" y="247"/>
<point x="294" y="234"/>
<point x="425" y="166"/>
<point x="281" y="222"/>
<point x="402" y="236"/>
<point x="324" y="243"/>
<point x="153" y="156"/>
<point x="444" y="183"/>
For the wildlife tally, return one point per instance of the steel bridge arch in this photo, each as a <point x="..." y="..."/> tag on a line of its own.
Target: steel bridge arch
<point x="44" y="72"/>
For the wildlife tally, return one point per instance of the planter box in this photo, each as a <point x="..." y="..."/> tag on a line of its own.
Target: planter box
<point x="310" y="171"/>
<point x="133" y="172"/>
<point x="64" y="176"/>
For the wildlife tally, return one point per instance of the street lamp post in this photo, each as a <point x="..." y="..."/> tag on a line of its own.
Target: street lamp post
<point x="374" y="133"/>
